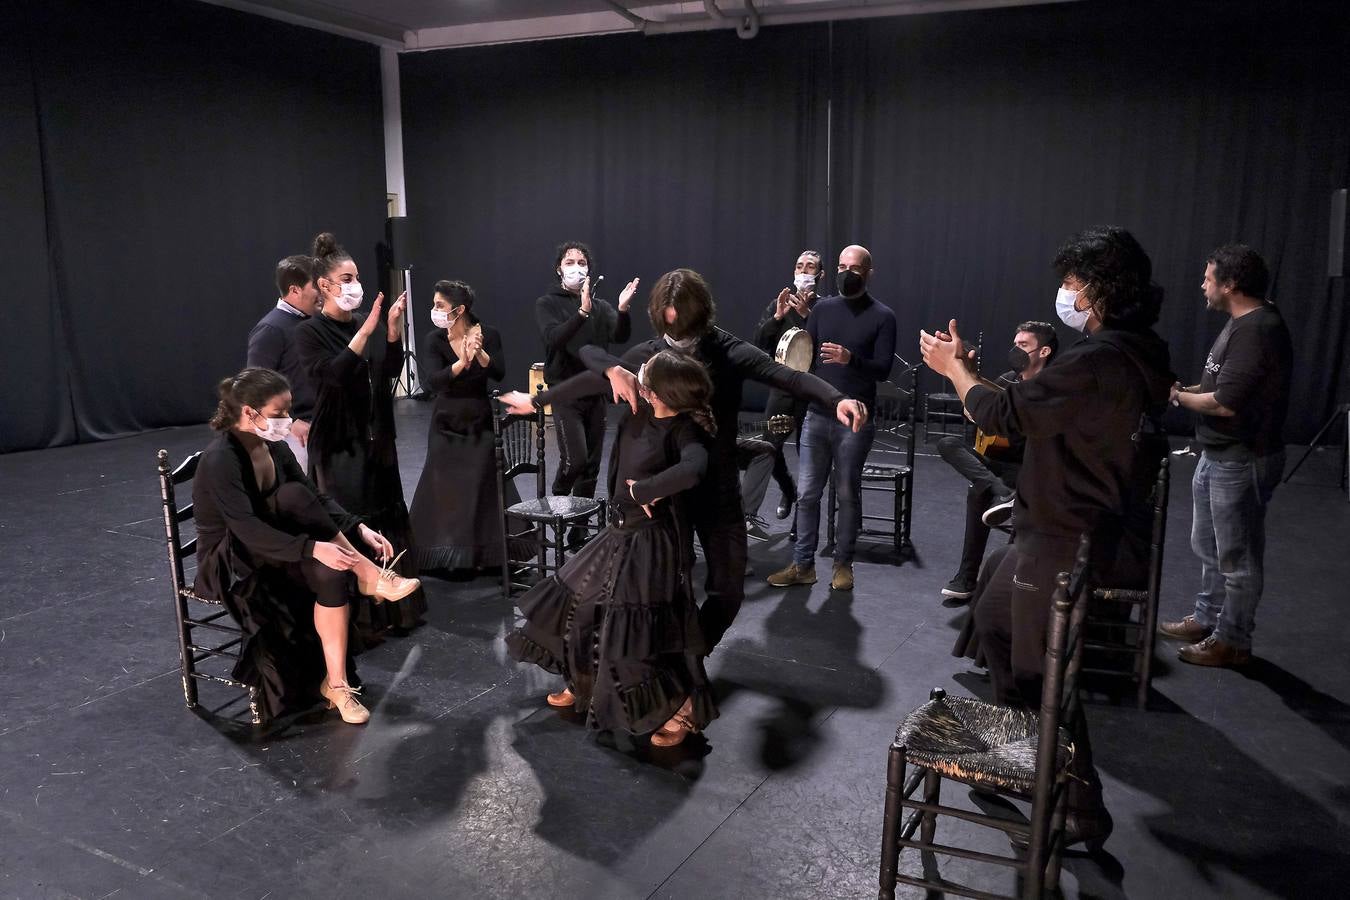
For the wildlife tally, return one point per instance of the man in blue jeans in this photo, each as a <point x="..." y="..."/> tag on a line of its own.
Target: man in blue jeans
<point x="854" y="337"/>
<point x="1242" y="399"/>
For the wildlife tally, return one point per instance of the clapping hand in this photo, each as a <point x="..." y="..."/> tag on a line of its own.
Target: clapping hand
<point x="396" y="317"/>
<point x="368" y="326"/>
<point x="801" y="303"/>
<point x="782" y="303"/>
<point x="626" y="295"/>
<point x="944" y="352"/>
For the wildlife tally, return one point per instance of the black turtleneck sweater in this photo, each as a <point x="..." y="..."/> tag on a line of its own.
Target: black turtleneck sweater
<point x="565" y="330"/>
<point x="866" y="327"/>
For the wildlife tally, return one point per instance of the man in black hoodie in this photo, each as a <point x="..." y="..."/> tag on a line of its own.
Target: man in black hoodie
<point x="569" y="318"/>
<point x="1083" y="419"/>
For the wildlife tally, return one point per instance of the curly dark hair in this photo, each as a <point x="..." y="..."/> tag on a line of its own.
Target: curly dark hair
<point x="695" y="311"/>
<point x="1117" y="273"/>
<point x="572" y="245"/>
<point x="1242" y="267"/>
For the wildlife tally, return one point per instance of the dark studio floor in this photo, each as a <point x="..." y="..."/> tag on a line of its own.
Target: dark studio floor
<point x="465" y="785"/>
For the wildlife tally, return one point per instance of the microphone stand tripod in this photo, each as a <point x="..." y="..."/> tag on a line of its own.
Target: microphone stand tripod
<point x="409" y="381"/>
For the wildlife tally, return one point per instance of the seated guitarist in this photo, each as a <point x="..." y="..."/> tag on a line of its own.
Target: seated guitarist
<point x="991" y="467"/>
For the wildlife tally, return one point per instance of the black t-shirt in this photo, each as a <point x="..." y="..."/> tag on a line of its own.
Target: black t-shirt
<point x="1248" y="369"/>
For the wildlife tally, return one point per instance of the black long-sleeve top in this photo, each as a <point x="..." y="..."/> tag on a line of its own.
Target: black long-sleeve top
<point x="234" y="531"/>
<point x="730" y="362"/>
<point x="351" y="403"/>
<point x="462" y="402"/>
<point x="1079" y="415"/>
<point x="565" y="330"/>
<point x="663" y="457"/>
<point x="866" y="327"/>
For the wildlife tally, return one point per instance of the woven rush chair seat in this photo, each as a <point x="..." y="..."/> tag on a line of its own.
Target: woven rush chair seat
<point x="978" y="743"/>
<point x="545" y="509"/>
<point x="945" y="397"/>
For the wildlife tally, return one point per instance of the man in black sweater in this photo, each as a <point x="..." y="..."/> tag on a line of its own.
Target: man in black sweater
<point x="1082" y="419"/>
<point x="569" y="318"/>
<point x="271" y="345"/>
<point x="788" y="310"/>
<point x="1242" y="400"/>
<point x="854" y="338"/>
<point x="682" y="313"/>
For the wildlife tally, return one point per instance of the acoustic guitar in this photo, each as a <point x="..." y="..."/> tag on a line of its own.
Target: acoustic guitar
<point x="986" y="442"/>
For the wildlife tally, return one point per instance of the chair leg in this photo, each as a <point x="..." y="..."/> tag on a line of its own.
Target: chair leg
<point x="184" y="654"/>
<point x="1055" y="843"/>
<point x="255" y="714"/>
<point x="932" y="793"/>
<point x="890" y="827"/>
<point x="559" y="551"/>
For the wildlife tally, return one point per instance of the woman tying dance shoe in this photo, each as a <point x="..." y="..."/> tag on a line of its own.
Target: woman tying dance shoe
<point x="279" y="554"/>
<point x="351" y="359"/>
<point x="618" y="621"/>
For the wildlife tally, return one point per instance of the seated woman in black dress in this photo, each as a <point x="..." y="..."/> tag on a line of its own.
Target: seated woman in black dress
<point x="455" y="510"/>
<point x="351" y="359"/>
<point x="618" y="621"/>
<point x="279" y="554"/>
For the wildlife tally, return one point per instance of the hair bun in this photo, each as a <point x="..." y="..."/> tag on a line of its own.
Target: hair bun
<point x="325" y="244"/>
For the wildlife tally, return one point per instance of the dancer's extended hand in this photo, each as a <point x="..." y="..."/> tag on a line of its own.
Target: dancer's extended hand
<point x="378" y="542"/>
<point x="851" y="413"/>
<point x="624" y="385"/>
<point x="517" y="403"/>
<point x="335" y="556"/>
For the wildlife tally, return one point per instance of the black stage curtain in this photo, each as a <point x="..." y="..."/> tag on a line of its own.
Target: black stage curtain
<point x="700" y="150"/>
<point x="968" y="146"/>
<point x="163" y="161"/>
<point x="964" y="148"/>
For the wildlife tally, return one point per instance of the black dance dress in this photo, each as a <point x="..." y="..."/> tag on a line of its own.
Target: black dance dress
<point x="250" y="559"/>
<point x="456" y="514"/>
<point x="352" y="454"/>
<point x="619" y="621"/>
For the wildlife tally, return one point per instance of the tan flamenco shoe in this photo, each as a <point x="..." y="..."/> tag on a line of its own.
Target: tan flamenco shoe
<point x="342" y="697"/>
<point x="564" y="699"/>
<point x="389" y="586"/>
<point x="679" y="727"/>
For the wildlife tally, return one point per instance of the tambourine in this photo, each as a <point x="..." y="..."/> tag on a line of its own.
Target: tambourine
<point x="794" y="350"/>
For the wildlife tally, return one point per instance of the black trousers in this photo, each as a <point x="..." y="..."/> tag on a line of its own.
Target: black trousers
<point x="1011" y="616"/>
<point x="580" y="427"/>
<point x="755" y="481"/>
<point x="758" y="457"/>
<point x="296" y="510"/>
<point x="988" y="478"/>
<point x="718" y="520"/>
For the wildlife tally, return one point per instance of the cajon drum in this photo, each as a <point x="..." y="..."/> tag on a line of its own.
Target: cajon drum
<point x="537" y="383"/>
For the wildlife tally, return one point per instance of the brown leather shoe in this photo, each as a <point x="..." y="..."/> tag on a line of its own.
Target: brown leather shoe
<point x="842" y="579"/>
<point x="793" y="574"/>
<point x="1214" y="652"/>
<point x="1187" y="630"/>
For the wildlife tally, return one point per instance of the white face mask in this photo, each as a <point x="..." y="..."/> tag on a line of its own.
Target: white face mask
<point x="441" y="319"/>
<point x="684" y="345"/>
<point x="573" y="276"/>
<point x="351" y="296"/>
<point x="1064" y="305"/>
<point x="276" y="429"/>
<point x="804" y="282"/>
